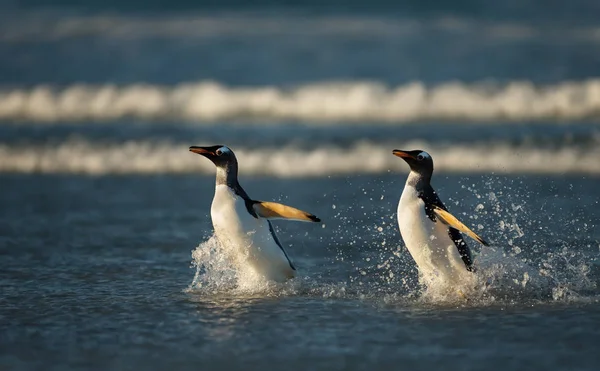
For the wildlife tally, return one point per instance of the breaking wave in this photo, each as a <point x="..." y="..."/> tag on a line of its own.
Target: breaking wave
<point x="317" y="102"/>
<point x="84" y="157"/>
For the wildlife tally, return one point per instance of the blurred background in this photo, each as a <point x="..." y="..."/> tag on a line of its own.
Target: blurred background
<point x="102" y="204"/>
<point x="104" y="87"/>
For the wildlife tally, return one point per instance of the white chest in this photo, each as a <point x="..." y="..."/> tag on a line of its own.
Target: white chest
<point x="428" y="242"/>
<point x="417" y="230"/>
<point x="229" y="213"/>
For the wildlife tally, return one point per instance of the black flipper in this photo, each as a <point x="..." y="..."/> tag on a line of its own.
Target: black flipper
<point x="272" y="230"/>
<point x="431" y="199"/>
<point x="463" y="249"/>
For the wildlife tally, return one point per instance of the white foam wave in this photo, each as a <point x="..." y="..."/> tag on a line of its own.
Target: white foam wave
<point x="83" y="157"/>
<point x="322" y="102"/>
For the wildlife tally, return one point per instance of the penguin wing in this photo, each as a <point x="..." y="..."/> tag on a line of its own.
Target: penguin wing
<point x="273" y="210"/>
<point x="274" y="235"/>
<point x="450" y="220"/>
<point x="462" y="247"/>
<point x="432" y="201"/>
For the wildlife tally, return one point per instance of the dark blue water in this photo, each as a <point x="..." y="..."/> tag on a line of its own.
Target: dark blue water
<point x="108" y="260"/>
<point x="97" y="273"/>
<point x="293" y="42"/>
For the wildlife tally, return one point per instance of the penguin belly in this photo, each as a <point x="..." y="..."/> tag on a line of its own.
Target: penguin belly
<point x="429" y="244"/>
<point x="247" y="240"/>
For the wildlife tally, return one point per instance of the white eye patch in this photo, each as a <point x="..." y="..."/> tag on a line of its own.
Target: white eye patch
<point x="424" y="155"/>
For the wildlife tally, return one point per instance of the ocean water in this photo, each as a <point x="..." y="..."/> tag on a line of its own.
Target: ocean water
<point x="108" y="256"/>
<point x="98" y="274"/>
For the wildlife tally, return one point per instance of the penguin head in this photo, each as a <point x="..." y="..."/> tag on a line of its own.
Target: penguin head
<point x="220" y="155"/>
<point x="418" y="160"/>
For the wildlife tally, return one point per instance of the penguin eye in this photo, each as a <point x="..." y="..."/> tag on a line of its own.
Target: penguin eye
<point x="219" y="152"/>
<point x="420" y="157"/>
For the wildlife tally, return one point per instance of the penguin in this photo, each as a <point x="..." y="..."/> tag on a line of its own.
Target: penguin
<point x="431" y="234"/>
<point x="243" y="225"/>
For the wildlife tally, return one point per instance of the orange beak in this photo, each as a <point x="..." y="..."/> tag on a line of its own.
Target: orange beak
<point x="402" y="154"/>
<point x="200" y="151"/>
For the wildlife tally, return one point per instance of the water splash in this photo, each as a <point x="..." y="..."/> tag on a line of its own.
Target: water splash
<point x="213" y="270"/>
<point x="221" y="269"/>
<point x="532" y="258"/>
<point x="528" y="262"/>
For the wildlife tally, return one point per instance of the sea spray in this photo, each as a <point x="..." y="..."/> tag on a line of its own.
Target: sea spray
<point x="359" y="254"/>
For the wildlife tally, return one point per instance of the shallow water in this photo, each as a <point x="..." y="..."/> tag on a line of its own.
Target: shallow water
<point x="97" y="274"/>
